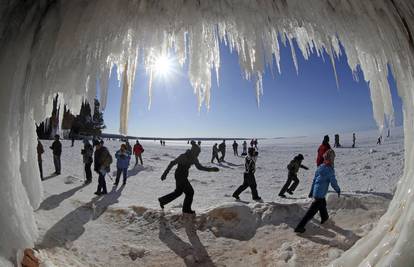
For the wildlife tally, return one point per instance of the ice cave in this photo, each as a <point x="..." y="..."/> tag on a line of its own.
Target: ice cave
<point x="68" y="46"/>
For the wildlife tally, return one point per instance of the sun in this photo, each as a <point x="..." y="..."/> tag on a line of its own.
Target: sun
<point x="162" y="66"/>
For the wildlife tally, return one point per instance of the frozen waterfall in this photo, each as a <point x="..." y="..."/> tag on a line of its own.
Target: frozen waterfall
<point x="67" y="46"/>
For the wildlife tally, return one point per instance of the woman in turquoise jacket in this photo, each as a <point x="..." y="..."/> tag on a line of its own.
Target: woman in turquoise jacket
<point x="324" y="176"/>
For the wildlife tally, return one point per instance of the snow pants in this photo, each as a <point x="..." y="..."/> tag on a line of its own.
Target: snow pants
<point x="56" y="162"/>
<point x="248" y="181"/>
<point x="319" y="204"/>
<point x="223" y="154"/>
<point x="288" y="187"/>
<point x="118" y="175"/>
<point x="182" y="185"/>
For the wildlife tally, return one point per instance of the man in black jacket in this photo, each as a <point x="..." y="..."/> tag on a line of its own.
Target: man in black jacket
<point x="103" y="160"/>
<point x="57" y="151"/>
<point x="184" y="162"/>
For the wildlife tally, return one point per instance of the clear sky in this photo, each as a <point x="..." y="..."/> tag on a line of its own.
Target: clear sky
<point x="292" y="105"/>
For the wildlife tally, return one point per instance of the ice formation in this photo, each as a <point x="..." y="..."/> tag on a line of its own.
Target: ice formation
<point x="67" y="46"/>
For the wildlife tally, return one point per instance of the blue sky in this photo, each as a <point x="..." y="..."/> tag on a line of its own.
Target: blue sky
<point x="292" y="105"/>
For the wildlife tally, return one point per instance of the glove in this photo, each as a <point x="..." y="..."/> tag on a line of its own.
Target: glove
<point x="214" y="169"/>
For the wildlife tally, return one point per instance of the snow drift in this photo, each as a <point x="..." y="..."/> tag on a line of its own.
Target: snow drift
<point x="67" y="46"/>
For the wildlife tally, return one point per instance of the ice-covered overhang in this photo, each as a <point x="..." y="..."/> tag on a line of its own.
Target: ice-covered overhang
<point x="67" y="46"/>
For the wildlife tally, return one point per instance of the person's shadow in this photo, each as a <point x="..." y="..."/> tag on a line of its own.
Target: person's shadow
<point x="183" y="249"/>
<point x="72" y="226"/>
<point x="54" y="201"/>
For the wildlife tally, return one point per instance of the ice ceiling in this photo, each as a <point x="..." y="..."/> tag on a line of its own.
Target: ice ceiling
<point x="66" y="46"/>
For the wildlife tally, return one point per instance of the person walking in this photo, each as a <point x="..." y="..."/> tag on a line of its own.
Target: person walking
<point x="138" y="150"/>
<point x="353" y="140"/>
<point x="222" y="149"/>
<point x="57" y="152"/>
<point x="293" y="168"/>
<point x="324" y="176"/>
<point x="235" y="146"/>
<point x="184" y="162"/>
<point x="249" y="179"/>
<point x="87" y="153"/>
<point x="103" y="160"/>
<point x="122" y="163"/>
<point x="40" y="151"/>
<point x="325" y="146"/>
<point x="244" y="153"/>
<point x="215" y="154"/>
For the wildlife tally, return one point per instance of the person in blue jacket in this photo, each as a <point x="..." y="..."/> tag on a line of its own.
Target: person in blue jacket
<point x="325" y="175"/>
<point x="123" y="157"/>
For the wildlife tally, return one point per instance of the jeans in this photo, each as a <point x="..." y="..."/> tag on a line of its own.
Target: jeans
<point x="118" y="175"/>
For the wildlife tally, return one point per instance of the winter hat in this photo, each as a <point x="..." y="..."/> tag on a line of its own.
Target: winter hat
<point x="300" y="157"/>
<point x="195" y="149"/>
<point x="325" y="139"/>
<point x="329" y="157"/>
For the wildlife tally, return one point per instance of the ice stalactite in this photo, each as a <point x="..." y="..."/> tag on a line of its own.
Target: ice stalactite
<point x="64" y="46"/>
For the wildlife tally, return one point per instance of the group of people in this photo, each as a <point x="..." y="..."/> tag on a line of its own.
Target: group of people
<point x="221" y="149"/>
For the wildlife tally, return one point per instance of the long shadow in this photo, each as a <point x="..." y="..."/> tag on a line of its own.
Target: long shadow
<point x="50" y="176"/>
<point x="54" y="201"/>
<point x="183" y="249"/>
<point x="134" y="171"/>
<point x="71" y="227"/>
<point x="233" y="165"/>
<point x="222" y="165"/>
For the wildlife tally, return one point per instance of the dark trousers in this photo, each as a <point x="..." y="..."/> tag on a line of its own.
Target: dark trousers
<point x="290" y="188"/>
<point x="223" y="154"/>
<point x="136" y="159"/>
<point x="215" y="156"/>
<point x="182" y="185"/>
<point x="39" y="162"/>
<point x="101" y="184"/>
<point x="88" y="172"/>
<point x="56" y="162"/>
<point x="118" y="175"/>
<point x="235" y="152"/>
<point x="319" y="204"/>
<point x="248" y="181"/>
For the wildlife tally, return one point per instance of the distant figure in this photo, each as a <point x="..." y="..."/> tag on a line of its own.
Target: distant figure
<point x="388" y="133"/>
<point x="325" y="146"/>
<point x="163" y="142"/>
<point x="379" y="140"/>
<point x="325" y="175"/>
<point x="248" y="177"/>
<point x="138" y="150"/>
<point x="337" y="144"/>
<point x="222" y="149"/>
<point x="122" y="163"/>
<point x="244" y="153"/>
<point x="353" y="140"/>
<point x="103" y="160"/>
<point x="87" y="154"/>
<point x="215" y="154"/>
<point x="40" y="151"/>
<point x="188" y="141"/>
<point x="184" y="162"/>
<point x="235" y="146"/>
<point x="252" y="143"/>
<point x="57" y="152"/>
<point x="293" y="168"/>
<point x="160" y="142"/>
<point x="199" y="143"/>
<point x="256" y="143"/>
<point x="128" y="147"/>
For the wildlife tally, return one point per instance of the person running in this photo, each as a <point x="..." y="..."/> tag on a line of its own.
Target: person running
<point x="57" y="152"/>
<point x="122" y="163"/>
<point x="325" y="146"/>
<point x="244" y="148"/>
<point x="222" y="149"/>
<point x="293" y="168"/>
<point x="353" y="140"/>
<point x="87" y="153"/>
<point x="325" y="175"/>
<point x="184" y="162"/>
<point x="235" y="146"/>
<point x="40" y="151"/>
<point x="249" y="179"/>
<point x="215" y="154"/>
<point x="138" y="150"/>
<point x="103" y="160"/>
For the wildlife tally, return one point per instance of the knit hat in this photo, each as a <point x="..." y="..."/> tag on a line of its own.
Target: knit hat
<point x="300" y="157"/>
<point x="329" y="157"/>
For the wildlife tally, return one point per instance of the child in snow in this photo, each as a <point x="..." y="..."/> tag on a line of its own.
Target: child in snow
<point x="248" y="179"/>
<point x="293" y="169"/>
<point x="123" y="157"/>
<point x="325" y="175"/>
<point x="184" y="162"/>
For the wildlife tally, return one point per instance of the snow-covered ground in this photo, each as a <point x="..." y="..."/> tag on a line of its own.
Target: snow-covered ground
<point x="126" y="227"/>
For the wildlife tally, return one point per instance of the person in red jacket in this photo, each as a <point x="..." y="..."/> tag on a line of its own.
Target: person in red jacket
<point x="138" y="149"/>
<point x="322" y="149"/>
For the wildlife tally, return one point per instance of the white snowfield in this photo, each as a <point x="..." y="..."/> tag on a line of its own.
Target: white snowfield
<point x="127" y="228"/>
<point x="68" y="46"/>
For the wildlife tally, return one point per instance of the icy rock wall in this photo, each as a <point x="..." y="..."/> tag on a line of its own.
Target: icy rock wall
<point x="67" y="46"/>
